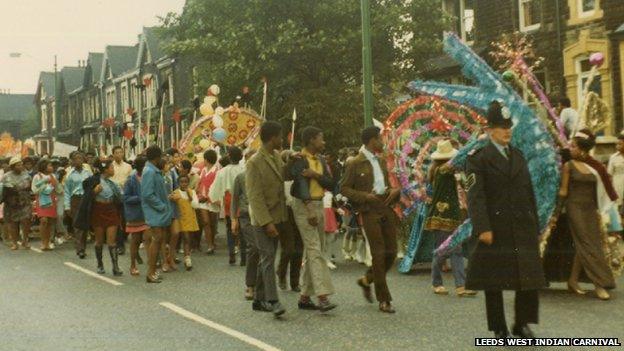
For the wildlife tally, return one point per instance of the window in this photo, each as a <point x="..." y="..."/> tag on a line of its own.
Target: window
<point x="170" y="81"/>
<point x="134" y="102"/>
<point x="586" y="8"/>
<point x="54" y="115"/>
<point x="542" y="77"/>
<point x="466" y="22"/>
<point x="124" y="98"/>
<point x="583" y="69"/>
<point x="464" y="12"/>
<point x="44" y="118"/>
<point x="530" y="14"/>
<point x="110" y="103"/>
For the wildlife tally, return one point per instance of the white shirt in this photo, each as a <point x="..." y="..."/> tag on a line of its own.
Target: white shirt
<point x="616" y="170"/>
<point x="122" y="172"/>
<point x="569" y="117"/>
<point x="224" y="182"/>
<point x="379" y="184"/>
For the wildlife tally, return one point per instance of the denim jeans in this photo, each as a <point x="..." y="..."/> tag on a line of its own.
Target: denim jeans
<point x="457" y="262"/>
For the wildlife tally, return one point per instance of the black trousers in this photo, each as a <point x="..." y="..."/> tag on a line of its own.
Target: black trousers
<point x="292" y="250"/>
<point x="526" y="306"/>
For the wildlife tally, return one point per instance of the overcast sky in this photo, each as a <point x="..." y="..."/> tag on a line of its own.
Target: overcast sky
<point x="71" y="29"/>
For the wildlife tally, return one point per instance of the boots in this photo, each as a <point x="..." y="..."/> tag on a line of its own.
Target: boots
<point x="114" y="259"/>
<point x="98" y="255"/>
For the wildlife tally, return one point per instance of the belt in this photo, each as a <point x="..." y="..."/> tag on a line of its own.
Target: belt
<point x="104" y="201"/>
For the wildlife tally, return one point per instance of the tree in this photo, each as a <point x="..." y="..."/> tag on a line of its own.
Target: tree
<point x="309" y="52"/>
<point x="30" y="125"/>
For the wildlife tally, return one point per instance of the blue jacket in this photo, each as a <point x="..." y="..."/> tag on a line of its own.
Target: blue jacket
<point x="132" y="199"/>
<point x="301" y="185"/>
<point x="157" y="208"/>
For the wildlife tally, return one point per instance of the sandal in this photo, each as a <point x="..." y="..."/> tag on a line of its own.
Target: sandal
<point x="152" y="279"/>
<point x="166" y="268"/>
<point x="134" y="272"/>
<point x="440" y="290"/>
<point x="386" y="307"/>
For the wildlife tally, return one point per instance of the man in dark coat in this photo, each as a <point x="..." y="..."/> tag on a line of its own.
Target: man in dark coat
<point x="502" y="207"/>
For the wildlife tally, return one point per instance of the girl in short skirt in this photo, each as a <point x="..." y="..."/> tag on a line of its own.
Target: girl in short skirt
<point x="105" y="204"/>
<point x="187" y="202"/>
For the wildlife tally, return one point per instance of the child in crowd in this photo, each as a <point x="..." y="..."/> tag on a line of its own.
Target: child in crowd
<point x="187" y="202"/>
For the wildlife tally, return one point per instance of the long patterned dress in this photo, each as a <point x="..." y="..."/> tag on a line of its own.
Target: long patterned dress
<point x="17" y="196"/>
<point x="584" y="221"/>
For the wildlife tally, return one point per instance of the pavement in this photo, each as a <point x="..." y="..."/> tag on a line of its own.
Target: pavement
<point x="47" y="304"/>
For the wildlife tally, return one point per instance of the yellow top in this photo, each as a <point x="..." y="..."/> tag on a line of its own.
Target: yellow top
<point x="316" y="190"/>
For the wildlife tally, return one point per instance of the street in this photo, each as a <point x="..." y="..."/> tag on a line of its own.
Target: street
<point x="47" y="303"/>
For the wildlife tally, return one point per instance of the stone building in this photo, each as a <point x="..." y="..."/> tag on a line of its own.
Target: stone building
<point x="564" y="32"/>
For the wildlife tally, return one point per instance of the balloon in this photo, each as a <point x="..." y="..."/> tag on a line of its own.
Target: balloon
<point x="214" y="89"/>
<point x="219" y="134"/>
<point x="217" y="121"/>
<point x="204" y="144"/>
<point x="219" y="111"/>
<point x="206" y="110"/>
<point x="509" y="76"/>
<point x="596" y="59"/>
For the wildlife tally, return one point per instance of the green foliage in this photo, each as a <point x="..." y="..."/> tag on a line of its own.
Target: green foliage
<point x="30" y="126"/>
<point x="309" y="52"/>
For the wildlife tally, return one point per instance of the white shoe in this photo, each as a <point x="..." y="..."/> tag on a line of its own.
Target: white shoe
<point x="331" y="265"/>
<point x="51" y="245"/>
<point x="181" y="251"/>
<point x="58" y="241"/>
<point x="141" y="246"/>
<point x="187" y="263"/>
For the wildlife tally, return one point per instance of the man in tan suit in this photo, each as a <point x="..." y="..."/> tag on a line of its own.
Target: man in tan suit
<point x="265" y="174"/>
<point x="366" y="185"/>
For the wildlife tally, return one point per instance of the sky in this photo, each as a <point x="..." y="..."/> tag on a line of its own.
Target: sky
<point x="70" y="29"/>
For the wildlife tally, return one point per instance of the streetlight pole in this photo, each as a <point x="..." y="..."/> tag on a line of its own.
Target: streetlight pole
<point x="367" y="64"/>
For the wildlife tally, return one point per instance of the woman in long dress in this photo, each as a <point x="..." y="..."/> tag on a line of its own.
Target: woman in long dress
<point x="588" y="191"/>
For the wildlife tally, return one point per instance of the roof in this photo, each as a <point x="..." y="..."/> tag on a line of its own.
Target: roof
<point x="16" y="106"/>
<point x="120" y="58"/>
<point x="154" y="42"/>
<point x="46" y="81"/>
<point x="94" y="60"/>
<point x="445" y="64"/>
<point x="73" y="77"/>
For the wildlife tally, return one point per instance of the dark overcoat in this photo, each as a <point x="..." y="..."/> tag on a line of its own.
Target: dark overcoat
<point x="83" y="218"/>
<point x="501" y="200"/>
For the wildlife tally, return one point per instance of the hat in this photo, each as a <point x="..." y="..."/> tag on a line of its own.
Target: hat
<point x="14" y="160"/>
<point x="444" y="151"/>
<point x="498" y="116"/>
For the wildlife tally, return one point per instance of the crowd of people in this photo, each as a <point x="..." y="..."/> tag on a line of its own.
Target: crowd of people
<point x="167" y="202"/>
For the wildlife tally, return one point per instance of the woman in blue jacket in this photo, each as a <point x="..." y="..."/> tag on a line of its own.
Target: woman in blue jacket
<point x="135" y="221"/>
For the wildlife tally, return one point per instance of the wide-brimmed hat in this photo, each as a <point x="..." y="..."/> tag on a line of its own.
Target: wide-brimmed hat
<point x="444" y="151"/>
<point x="15" y="160"/>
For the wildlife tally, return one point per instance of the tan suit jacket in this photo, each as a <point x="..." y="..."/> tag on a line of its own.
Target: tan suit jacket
<point x="358" y="180"/>
<point x="264" y="182"/>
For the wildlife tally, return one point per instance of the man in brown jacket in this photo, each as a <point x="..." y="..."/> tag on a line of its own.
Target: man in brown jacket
<point x="265" y="174"/>
<point x="366" y="185"/>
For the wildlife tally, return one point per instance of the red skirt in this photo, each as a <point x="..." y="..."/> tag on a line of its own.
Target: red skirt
<point x="104" y="215"/>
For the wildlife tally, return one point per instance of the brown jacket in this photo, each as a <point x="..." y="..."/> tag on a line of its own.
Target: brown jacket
<point x="358" y="180"/>
<point x="264" y="182"/>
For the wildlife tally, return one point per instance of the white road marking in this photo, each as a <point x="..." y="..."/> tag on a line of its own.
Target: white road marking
<point x="36" y="250"/>
<point x="93" y="274"/>
<point x="231" y="332"/>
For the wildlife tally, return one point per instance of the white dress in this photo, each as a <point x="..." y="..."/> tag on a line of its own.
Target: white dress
<point x="616" y="170"/>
